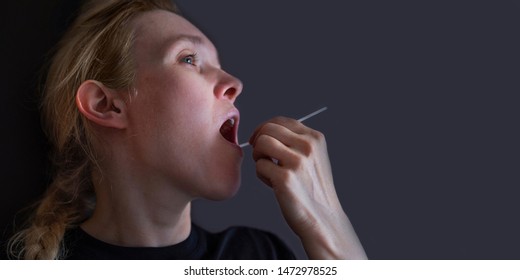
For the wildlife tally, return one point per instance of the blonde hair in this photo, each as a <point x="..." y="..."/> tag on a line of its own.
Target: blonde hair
<point x="97" y="46"/>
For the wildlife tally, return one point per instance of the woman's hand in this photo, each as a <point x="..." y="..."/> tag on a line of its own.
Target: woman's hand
<point x="293" y="160"/>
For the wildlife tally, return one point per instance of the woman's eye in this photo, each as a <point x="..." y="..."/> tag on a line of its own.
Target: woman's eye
<point x="190" y="59"/>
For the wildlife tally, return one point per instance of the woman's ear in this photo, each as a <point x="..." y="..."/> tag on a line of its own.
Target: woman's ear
<point x="101" y="105"/>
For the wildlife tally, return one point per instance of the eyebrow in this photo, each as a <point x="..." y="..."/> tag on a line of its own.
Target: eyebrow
<point x="190" y="38"/>
<point x="170" y="44"/>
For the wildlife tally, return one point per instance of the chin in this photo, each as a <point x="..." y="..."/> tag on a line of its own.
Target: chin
<point x="224" y="191"/>
<point x="225" y="181"/>
<point x="219" y="177"/>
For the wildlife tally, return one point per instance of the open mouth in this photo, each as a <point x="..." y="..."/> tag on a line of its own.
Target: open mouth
<point x="229" y="130"/>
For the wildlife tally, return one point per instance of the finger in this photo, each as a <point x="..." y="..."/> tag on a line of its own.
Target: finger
<point x="268" y="147"/>
<point x="304" y="144"/>
<point x="271" y="174"/>
<point x="264" y="170"/>
<point x="284" y="135"/>
<point x="291" y="124"/>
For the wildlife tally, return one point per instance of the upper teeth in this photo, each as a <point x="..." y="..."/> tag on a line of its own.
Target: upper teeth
<point x="231" y="122"/>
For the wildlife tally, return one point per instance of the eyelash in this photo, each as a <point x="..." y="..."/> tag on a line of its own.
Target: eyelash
<point x="193" y="57"/>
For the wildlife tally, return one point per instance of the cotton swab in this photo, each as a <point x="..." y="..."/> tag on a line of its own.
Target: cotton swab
<point x="300" y="120"/>
<point x="312" y="114"/>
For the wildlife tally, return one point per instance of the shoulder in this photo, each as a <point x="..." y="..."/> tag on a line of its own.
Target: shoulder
<point x="245" y="243"/>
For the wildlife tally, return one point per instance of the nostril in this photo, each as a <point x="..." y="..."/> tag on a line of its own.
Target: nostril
<point x="228" y="86"/>
<point x="231" y="93"/>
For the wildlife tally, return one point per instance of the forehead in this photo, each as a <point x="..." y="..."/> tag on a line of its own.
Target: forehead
<point x="156" y="31"/>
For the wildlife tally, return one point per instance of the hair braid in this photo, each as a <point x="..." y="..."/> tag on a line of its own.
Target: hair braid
<point x="96" y="46"/>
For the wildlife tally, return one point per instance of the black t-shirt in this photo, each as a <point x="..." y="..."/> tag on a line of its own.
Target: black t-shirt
<point x="235" y="243"/>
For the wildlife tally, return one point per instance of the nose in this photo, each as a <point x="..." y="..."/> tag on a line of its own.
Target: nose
<point x="228" y="86"/>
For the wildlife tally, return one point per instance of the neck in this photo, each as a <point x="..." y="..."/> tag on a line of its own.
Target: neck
<point x="134" y="211"/>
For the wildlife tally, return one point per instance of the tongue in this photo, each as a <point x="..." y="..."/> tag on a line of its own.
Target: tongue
<point x="227" y="131"/>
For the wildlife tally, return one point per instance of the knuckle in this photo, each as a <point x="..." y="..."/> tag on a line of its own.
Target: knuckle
<point x="284" y="176"/>
<point x="298" y="161"/>
<point x="315" y="139"/>
<point x="263" y="139"/>
<point x="259" y="166"/>
<point x="306" y="148"/>
<point x="317" y="136"/>
<point x="279" y="119"/>
<point x="256" y="156"/>
<point x="269" y="126"/>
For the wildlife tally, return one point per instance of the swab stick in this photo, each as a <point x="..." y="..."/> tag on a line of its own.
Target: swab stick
<point x="300" y="120"/>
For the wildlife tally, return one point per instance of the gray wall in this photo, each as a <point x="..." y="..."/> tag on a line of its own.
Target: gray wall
<point x="422" y="126"/>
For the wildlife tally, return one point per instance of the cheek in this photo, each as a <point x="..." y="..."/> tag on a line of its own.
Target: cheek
<point x="174" y="120"/>
<point x="170" y="96"/>
<point x="179" y="135"/>
<point x="178" y="90"/>
<point x="172" y="114"/>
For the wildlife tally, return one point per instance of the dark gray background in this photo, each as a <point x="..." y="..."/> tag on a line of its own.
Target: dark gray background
<point x="422" y="126"/>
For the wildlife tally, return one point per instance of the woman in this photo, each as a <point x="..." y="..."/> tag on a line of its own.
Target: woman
<point x="142" y="122"/>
